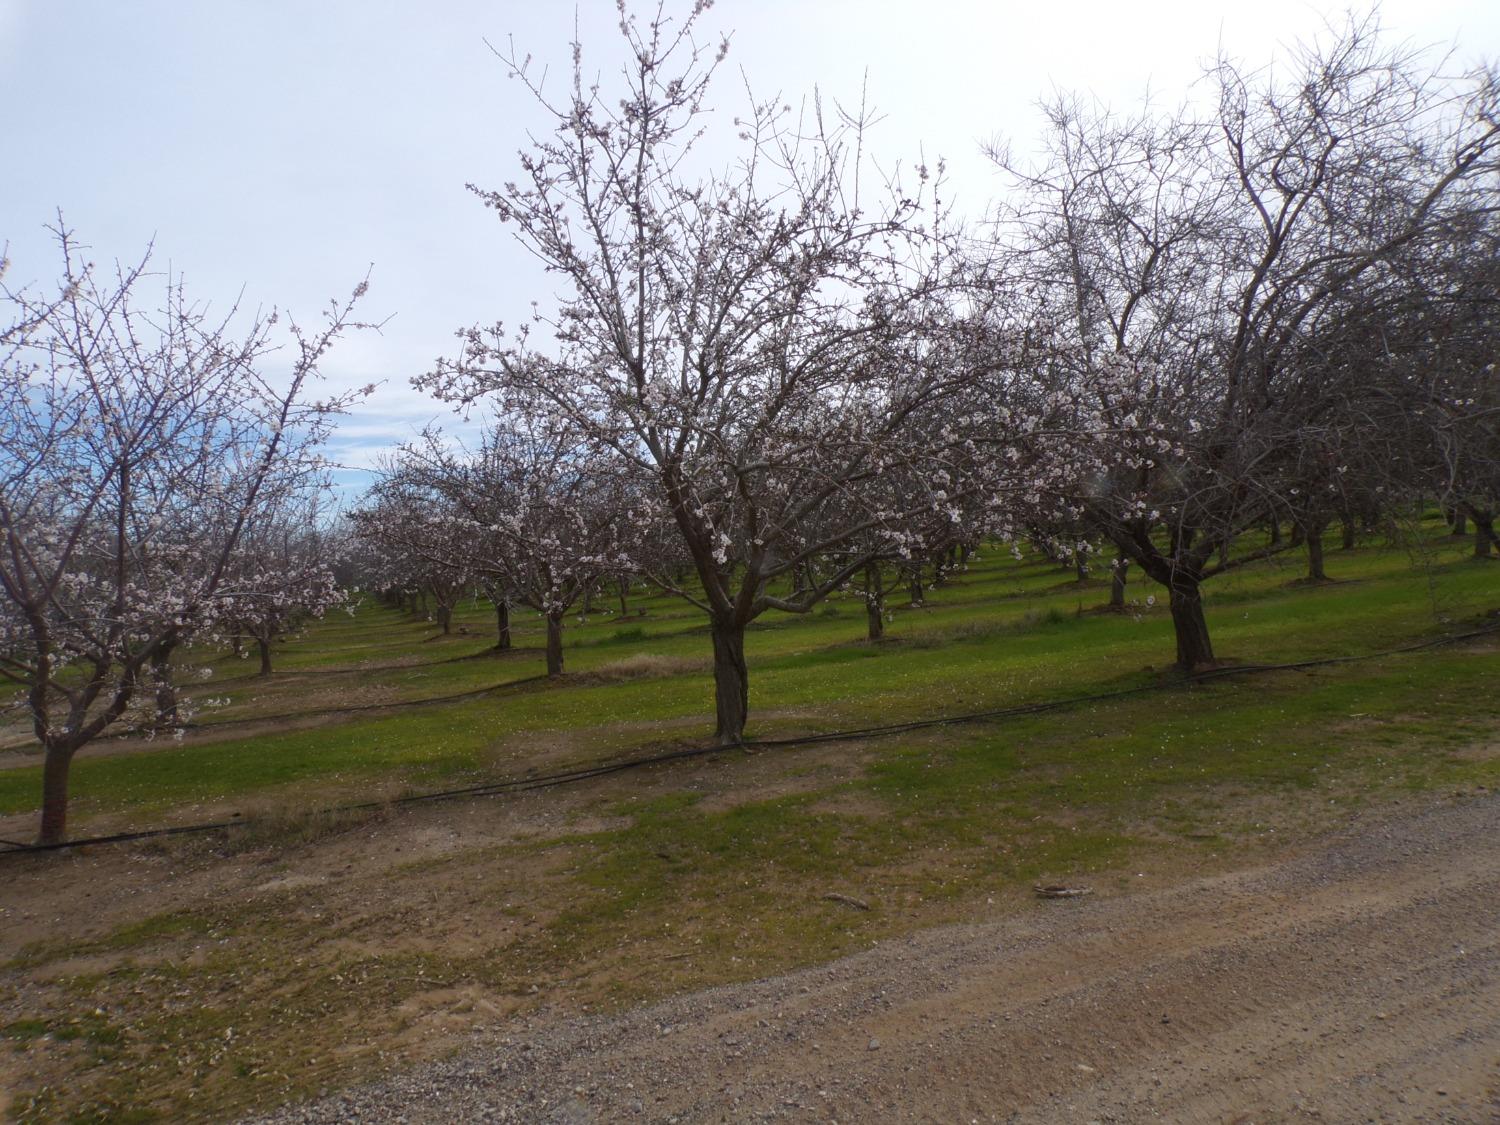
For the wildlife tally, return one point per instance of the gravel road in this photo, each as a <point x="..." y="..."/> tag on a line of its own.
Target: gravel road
<point x="1357" y="980"/>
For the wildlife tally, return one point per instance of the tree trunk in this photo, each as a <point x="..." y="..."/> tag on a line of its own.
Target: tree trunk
<point x="809" y="579"/>
<point x="624" y="594"/>
<point x="1194" y="649"/>
<point x="939" y="570"/>
<point x="265" y="656"/>
<point x="502" y="623"/>
<point x="731" y="681"/>
<point x="1081" y="565"/>
<point x="874" y="602"/>
<point x="588" y="600"/>
<point x="1312" y="534"/>
<point x="237" y="645"/>
<point x="1484" y="535"/>
<point x="1275" y="534"/>
<point x="1117" y="571"/>
<point x="166" y="690"/>
<point x="54" y="828"/>
<point x="445" y="618"/>
<point x="916" y="587"/>
<point x="1459" y="521"/>
<point x="1349" y="532"/>
<point x="554" y="644"/>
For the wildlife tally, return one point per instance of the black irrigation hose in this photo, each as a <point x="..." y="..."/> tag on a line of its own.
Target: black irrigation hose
<point x="566" y="777"/>
<point x="514" y="785"/>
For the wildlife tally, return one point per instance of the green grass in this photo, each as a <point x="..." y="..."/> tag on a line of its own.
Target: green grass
<point x="1004" y="633"/>
<point x="719" y="869"/>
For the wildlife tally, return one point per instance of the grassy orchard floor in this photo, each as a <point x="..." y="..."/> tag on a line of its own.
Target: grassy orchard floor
<point x="1004" y="633"/>
<point x="254" y="968"/>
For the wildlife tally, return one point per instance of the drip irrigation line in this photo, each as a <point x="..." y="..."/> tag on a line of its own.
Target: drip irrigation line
<point x="512" y="785"/>
<point x="585" y="773"/>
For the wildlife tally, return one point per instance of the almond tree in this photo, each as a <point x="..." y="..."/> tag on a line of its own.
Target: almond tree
<point x="928" y="516"/>
<point x="532" y="514"/>
<point x="1193" y="276"/>
<point x="757" y="342"/>
<point x="139" y="443"/>
<point x="1436" y="395"/>
<point x="281" y="575"/>
<point x="410" y="528"/>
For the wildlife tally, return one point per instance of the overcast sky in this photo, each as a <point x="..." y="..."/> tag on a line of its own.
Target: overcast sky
<point x="282" y="147"/>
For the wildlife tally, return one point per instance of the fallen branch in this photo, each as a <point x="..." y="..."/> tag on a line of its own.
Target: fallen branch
<point x="846" y="900"/>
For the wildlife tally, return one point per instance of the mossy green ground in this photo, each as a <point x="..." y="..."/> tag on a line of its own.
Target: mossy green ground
<point x="715" y="869"/>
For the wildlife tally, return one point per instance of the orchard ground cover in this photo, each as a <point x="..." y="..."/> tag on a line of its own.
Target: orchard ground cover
<point x="192" y="978"/>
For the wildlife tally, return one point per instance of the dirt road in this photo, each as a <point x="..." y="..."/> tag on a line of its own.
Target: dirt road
<point x="1358" y="980"/>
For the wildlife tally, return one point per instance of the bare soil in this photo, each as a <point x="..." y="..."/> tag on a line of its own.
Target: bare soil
<point x="1354" y="979"/>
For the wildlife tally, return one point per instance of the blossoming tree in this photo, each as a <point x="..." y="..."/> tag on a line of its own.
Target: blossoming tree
<point x="140" y="439"/>
<point x="1192" y="275"/>
<point x="757" y="342"/>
